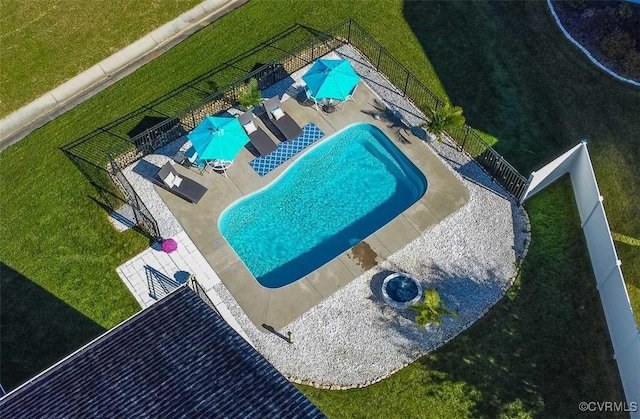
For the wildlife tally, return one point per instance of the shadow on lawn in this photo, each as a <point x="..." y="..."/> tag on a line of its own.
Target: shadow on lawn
<point x="32" y="340"/>
<point x="545" y="347"/>
<point x="518" y="79"/>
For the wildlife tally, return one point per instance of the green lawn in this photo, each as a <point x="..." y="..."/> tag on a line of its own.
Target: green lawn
<point x="45" y="43"/>
<point x="534" y="94"/>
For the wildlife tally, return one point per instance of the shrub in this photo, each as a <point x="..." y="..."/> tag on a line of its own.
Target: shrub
<point x="431" y="309"/>
<point x="443" y="119"/>
<point x="625" y="11"/>
<point x="617" y="44"/>
<point x="250" y="95"/>
<point x="631" y="65"/>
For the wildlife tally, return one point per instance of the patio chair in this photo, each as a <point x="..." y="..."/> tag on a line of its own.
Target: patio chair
<point x="285" y="124"/>
<point x="259" y="139"/>
<point x="349" y="97"/>
<point x="310" y="97"/>
<point x="189" y="159"/>
<point x="185" y="188"/>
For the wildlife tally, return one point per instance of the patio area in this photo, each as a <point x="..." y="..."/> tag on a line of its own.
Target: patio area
<point x="463" y="238"/>
<point x="280" y="306"/>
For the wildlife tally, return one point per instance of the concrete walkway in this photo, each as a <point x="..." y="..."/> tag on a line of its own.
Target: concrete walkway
<point x="54" y="103"/>
<point x="153" y="274"/>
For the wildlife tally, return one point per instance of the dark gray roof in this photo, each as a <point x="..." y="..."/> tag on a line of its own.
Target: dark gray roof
<point x="177" y="358"/>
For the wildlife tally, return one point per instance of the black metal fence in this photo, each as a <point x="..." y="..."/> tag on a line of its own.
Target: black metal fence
<point x="195" y="286"/>
<point x="225" y="98"/>
<point x="424" y="99"/>
<point x="290" y="60"/>
<point x="114" y="190"/>
<point x="142" y="216"/>
<point x="102" y="154"/>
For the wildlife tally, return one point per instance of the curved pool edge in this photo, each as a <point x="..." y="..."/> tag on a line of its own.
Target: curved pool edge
<point x="398" y="157"/>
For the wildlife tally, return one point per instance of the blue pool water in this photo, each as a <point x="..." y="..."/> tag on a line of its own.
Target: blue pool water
<point x="338" y="193"/>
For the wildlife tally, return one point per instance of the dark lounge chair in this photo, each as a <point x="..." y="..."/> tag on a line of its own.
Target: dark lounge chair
<point x="257" y="136"/>
<point x="185" y="188"/>
<point x="285" y="124"/>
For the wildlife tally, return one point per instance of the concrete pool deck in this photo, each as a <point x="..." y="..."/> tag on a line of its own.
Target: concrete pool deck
<point x="275" y="308"/>
<point x="351" y="338"/>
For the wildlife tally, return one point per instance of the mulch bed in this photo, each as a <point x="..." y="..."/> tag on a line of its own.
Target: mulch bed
<point x="589" y="22"/>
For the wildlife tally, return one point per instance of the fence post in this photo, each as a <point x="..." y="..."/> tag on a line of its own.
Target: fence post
<point x="499" y="169"/>
<point x="466" y="134"/>
<point x="523" y="190"/>
<point x="379" y="56"/>
<point x="148" y="144"/>
<point x="406" y="84"/>
<point x="349" y="32"/>
<point x="274" y="68"/>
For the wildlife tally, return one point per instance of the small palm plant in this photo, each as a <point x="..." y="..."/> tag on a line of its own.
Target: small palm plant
<point x="431" y="309"/>
<point x="250" y="95"/>
<point x="443" y="119"/>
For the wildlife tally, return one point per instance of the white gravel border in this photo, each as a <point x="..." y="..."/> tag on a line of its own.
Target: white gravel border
<point x="353" y="339"/>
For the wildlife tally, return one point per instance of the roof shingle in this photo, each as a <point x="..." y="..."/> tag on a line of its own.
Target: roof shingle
<point x="177" y="358"/>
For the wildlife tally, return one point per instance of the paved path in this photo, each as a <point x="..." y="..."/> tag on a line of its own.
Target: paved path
<point x="153" y="274"/>
<point x="52" y="104"/>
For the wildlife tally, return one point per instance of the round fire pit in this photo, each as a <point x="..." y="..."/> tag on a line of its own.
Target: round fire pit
<point x="401" y="290"/>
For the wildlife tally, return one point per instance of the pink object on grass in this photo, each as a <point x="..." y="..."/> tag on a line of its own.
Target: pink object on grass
<point x="169" y="245"/>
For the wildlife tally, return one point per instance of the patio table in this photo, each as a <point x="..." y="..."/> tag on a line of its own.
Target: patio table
<point x="329" y="105"/>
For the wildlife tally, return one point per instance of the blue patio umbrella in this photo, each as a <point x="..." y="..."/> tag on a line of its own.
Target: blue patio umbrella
<point x="217" y="138"/>
<point x="331" y="79"/>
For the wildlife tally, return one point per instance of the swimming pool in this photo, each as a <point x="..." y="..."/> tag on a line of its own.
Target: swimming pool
<point x="338" y="193"/>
